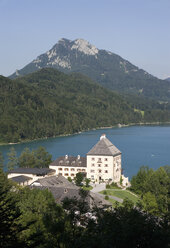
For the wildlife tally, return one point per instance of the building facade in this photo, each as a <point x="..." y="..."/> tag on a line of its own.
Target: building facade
<point x="69" y="166"/>
<point x="102" y="163"/>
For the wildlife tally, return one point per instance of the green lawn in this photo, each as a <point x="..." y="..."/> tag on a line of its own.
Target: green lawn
<point x="121" y="194"/>
<point x="114" y="202"/>
<point x="140" y="111"/>
<point x="87" y="188"/>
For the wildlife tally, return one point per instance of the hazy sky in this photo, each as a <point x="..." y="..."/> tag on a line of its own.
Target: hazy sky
<point x="137" y="30"/>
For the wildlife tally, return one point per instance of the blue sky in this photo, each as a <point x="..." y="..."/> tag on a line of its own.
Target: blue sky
<point x="137" y="30"/>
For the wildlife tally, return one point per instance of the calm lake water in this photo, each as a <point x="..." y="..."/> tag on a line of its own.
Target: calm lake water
<point x="140" y="145"/>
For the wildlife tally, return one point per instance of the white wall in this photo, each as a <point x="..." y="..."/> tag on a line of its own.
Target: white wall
<point x="68" y="171"/>
<point x="104" y="167"/>
<point x="34" y="177"/>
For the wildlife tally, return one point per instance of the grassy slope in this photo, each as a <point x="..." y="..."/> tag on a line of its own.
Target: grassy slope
<point x="121" y="194"/>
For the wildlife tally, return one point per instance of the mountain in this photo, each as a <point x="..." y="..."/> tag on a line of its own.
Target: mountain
<point x="104" y="67"/>
<point x="168" y="79"/>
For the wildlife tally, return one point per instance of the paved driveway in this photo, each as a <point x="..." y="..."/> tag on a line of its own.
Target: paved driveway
<point x="102" y="186"/>
<point x="98" y="187"/>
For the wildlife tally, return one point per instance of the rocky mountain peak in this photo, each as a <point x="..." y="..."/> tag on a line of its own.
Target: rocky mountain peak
<point x="84" y="46"/>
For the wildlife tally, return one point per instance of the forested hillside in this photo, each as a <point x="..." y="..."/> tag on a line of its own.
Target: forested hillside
<point x="49" y="103"/>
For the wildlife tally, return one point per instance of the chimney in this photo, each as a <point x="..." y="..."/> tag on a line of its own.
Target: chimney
<point x="78" y="157"/>
<point x="103" y="136"/>
<point x="66" y="156"/>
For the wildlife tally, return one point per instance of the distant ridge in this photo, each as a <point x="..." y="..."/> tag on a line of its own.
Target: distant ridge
<point x="104" y="67"/>
<point x="168" y="79"/>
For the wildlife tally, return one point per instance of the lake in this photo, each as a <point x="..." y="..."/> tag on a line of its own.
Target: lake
<point x="140" y="145"/>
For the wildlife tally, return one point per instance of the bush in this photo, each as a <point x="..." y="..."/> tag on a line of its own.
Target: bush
<point x="114" y="185"/>
<point x="106" y="197"/>
<point x="107" y="186"/>
<point x="69" y="179"/>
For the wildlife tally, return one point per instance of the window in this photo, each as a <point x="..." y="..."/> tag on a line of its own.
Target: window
<point x="92" y="171"/>
<point x="83" y="170"/>
<point x="66" y="169"/>
<point x="106" y="171"/>
<point x="92" y="159"/>
<point x="99" y="160"/>
<point x="72" y="169"/>
<point x="79" y="170"/>
<point x="72" y="175"/>
<point x="99" y="165"/>
<point x="66" y="174"/>
<point x="60" y="169"/>
<point x="100" y="171"/>
<point x="65" y="190"/>
<point x="92" y="176"/>
<point x="92" y="165"/>
<point x="106" y="165"/>
<point x="105" y="159"/>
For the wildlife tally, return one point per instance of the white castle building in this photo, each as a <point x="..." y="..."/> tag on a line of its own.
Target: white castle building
<point x="102" y="163"/>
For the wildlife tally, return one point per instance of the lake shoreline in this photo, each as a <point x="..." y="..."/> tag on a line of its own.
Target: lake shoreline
<point x="93" y="129"/>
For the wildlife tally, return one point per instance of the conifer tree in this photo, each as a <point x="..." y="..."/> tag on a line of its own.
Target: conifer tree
<point x="9" y="214"/>
<point x="12" y="158"/>
<point x="1" y="161"/>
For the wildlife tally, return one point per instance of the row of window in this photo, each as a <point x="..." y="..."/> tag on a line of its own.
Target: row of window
<point x="99" y="159"/>
<point x="99" y="165"/>
<point x="66" y="174"/>
<point x="100" y="171"/>
<point x="72" y="169"/>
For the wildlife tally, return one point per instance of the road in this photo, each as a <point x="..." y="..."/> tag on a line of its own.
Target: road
<point x="102" y="186"/>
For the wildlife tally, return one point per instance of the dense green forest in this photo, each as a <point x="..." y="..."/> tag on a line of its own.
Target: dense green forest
<point x="153" y="187"/>
<point x="49" y="103"/>
<point x="30" y="218"/>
